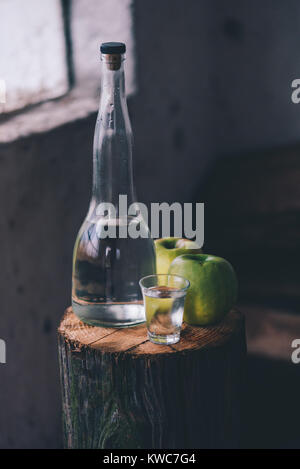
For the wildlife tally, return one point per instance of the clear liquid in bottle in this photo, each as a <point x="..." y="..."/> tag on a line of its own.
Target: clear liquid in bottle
<point x="106" y="273"/>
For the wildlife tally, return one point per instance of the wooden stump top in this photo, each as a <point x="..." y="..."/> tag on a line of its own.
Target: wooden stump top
<point x="134" y="340"/>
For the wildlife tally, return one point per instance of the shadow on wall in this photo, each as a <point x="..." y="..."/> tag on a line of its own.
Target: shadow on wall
<point x="171" y="114"/>
<point x="47" y="178"/>
<point x="253" y="219"/>
<point x="213" y="79"/>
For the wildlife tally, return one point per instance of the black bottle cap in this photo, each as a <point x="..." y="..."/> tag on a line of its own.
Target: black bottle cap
<point x="113" y="48"/>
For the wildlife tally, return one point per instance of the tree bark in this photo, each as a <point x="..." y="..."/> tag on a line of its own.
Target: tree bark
<point x="121" y="391"/>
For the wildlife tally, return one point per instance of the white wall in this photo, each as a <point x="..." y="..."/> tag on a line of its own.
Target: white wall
<point x="32" y="52"/>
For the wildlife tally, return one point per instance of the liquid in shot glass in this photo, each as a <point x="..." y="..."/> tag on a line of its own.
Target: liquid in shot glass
<point x="164" y="297"/>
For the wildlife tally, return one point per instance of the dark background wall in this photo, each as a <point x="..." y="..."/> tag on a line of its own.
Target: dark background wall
<point x="213" y="81"/>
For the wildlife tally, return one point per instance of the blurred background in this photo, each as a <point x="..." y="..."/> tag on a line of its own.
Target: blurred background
<point x="209" y="94"/>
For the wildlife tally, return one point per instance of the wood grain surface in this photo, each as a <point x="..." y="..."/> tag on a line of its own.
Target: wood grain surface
<point x="121" y="391"/>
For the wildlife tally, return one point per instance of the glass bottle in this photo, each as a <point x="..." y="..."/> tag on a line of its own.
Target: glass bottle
<point x="107" y="269"/>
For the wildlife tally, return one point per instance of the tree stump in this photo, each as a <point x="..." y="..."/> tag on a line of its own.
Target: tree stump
<point x="121" y="391"/>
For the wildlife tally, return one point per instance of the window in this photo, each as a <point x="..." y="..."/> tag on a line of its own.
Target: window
<point x="48" y="46"/>
<point x="32" y="52"/>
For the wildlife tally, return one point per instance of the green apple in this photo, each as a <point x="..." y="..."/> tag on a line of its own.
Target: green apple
<point x="213" y="287"/>
<point x="167" y="249"/>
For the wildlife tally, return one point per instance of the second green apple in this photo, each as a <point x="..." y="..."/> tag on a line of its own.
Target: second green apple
<point x="167" y="249"/>
<point x="213" y="287"/>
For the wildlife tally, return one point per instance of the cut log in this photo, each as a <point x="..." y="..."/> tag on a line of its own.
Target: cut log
<point x="121" y="391"/>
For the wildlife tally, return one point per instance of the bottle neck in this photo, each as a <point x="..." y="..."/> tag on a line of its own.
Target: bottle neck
<point x="112" y="79"/>
<point x="112" y="157"/>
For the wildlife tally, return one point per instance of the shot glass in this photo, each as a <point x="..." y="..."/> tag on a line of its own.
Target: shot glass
<point x="164" y="297"/>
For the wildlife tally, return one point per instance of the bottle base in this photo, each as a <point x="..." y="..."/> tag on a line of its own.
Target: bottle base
<point x="110" y="314"/>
